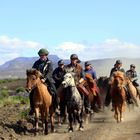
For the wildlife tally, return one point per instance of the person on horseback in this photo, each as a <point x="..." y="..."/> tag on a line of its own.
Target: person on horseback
<point x="59" y="73"/>
<point x="44" y="65"/>
<point x="132" y="74"/>
<point x="89" y="69"/>
<point x="117" y="67"/>
<point x="58" y="76"/>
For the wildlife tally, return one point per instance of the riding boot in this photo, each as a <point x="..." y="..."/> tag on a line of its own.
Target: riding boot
<point x="55" y="100"/>
<point x="31" y="112"/>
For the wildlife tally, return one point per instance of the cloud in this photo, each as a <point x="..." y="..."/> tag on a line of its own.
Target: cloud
<point x="11" y="48"/>
<point x="110" y="48"/>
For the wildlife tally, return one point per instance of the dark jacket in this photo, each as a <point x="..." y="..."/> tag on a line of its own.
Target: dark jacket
<point x="58" y="75"/>
<point x="46" y="68"/>
<point x="116" y="69"/>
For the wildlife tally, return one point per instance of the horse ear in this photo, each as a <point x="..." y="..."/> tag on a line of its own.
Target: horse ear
<point x="27" y="71"/>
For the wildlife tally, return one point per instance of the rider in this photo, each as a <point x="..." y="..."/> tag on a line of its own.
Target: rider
<point x="132" y="74"/>
<point x="58" y="75"/>
<point x="117" y="67"/>
<point x="44" y="65"/>
<point x="89" y="69"/>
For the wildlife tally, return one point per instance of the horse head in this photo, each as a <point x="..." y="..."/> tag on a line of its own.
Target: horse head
<point x="118" y="79"/>
<point x="33" y="77"/>
<point x="68" y="80"/>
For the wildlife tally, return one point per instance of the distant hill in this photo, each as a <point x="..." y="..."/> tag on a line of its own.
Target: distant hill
<point x="16" y="68"/>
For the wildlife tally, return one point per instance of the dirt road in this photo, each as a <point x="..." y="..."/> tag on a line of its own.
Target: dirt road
<point x="102" y="127"/>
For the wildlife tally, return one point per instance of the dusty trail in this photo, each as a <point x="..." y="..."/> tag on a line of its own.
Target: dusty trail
<point x="102" y="127"/>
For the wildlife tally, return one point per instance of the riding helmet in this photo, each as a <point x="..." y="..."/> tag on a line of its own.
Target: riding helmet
<point x="43" y="51"/>
<point x="61" y="62"/>
<point x="87" y="63"/>
<point x="132" y="65"/>
<point x="74" y="56"/>
<point x="118" y="62"/>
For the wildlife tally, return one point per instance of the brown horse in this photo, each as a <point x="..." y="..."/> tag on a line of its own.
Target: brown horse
<point x="91" y="87"/>
<point x="42" y="99"/>
<point x="118" y="94"/>
<point x="103" y="85"/>
<point x="132" y="90"/>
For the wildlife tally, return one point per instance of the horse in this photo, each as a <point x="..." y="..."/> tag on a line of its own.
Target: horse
<point x="41" y="98"/>
<point x="118" y="94"/>
<point x="93" y="89"/>
<point x="132" y="90"/>
<point x="103" y="85"/>
<point x="73" y="100"/>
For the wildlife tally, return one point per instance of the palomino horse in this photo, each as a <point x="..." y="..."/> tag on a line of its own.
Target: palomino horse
<point x="118" y="94"/>
<point x="42" y="99"/>
<point x="74" y="101"/>
<point x="132" y="90"/>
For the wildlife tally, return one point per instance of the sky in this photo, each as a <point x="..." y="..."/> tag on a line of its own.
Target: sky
<point x="93" y="29"/>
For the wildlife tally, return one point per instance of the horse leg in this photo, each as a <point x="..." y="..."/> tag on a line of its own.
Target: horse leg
<point x="52" y="122"/>
<point x="116" y="113"/>
<point x="36" y="120"/>
<point x="46" y="121"/>
<point x="79" y="119"/>
<point x="42" y="117"/>
<point x="70" y="121"/>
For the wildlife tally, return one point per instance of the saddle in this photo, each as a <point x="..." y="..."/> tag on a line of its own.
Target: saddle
<point x="82" y="88"/>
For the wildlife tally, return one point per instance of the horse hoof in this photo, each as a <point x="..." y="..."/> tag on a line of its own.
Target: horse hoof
<point x="81" y="129"/>
<point x="53" y="131"/>
<point x="70" y="130"/>
<point x="122" y="119"/>
<point x="59" y="124"/>
<point x="46" y="133"/>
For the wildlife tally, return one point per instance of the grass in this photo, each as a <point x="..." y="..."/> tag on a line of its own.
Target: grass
<point x="13" y="100"/>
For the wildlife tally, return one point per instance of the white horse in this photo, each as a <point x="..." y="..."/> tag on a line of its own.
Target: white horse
<point x="73" y="101"/>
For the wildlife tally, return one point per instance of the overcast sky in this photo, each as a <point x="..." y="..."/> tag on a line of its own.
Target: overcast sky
<point x="93" y="29"/>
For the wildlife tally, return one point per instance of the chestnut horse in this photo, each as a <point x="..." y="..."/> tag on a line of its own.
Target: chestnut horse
<point x="91" y="87"/>
<point x="41" y="98"/>
<point x="118" y="94"/>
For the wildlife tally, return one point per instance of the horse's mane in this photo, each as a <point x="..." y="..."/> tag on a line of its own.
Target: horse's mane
<point x="120" y="75"/>
<point x="33" y="72"/>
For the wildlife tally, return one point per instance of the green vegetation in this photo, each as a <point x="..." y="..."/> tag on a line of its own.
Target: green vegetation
<point x="13" y="100"/>
<point x="4" y="93"/>
<point x="24" y="113"/>
<point x="20" y="89"/>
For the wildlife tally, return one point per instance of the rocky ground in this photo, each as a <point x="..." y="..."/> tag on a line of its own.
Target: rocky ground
<point x="101" y="127"/>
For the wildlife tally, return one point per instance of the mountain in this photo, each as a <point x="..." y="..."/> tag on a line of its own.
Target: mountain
<point x="16" y="68"/>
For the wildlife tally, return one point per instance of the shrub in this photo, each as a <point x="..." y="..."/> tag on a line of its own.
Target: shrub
<point x="20" y="89"/>
<point x="4" y="93"/>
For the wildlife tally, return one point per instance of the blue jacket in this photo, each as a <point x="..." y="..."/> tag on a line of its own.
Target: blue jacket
<point x="92" y="72"/>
